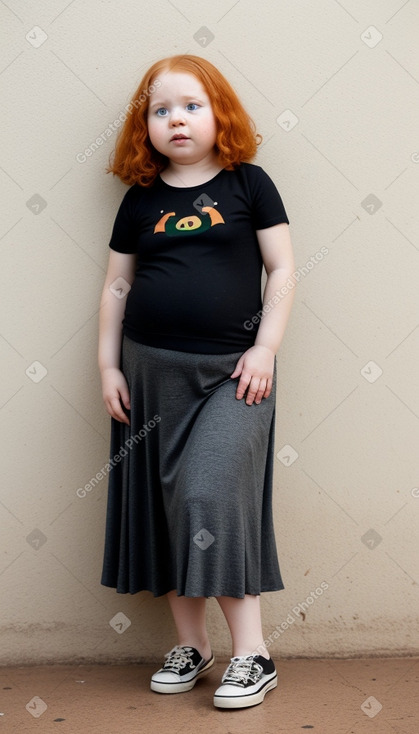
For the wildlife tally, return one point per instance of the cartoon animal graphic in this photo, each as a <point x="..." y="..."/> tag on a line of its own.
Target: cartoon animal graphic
<point x="190" y="224"/>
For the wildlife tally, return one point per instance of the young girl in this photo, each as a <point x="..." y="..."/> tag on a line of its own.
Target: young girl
<point x="187" y="359"/>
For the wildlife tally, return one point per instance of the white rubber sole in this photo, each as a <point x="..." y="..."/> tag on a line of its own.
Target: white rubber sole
<point x="242" y="701"/>
<point x="184" y="686"/>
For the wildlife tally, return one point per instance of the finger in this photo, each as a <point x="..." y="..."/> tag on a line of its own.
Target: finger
<point x="268" y="388"/>
<point x="116" y="411"/>
<point x="238" y="369"/>
<point x="243" y="385"/>
<point x="261" y="392"/>
<point x="122" y="418"/>
<point x="252" y="390"/>
<point x="125" y="398"/>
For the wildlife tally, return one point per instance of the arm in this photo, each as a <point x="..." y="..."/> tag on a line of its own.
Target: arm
<point x="112" y="309"/>
<point x="278" y="259"/>
<point x="256" y="365"/>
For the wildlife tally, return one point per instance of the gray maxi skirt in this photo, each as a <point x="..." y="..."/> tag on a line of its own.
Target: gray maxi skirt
<point x="190" y="480"/>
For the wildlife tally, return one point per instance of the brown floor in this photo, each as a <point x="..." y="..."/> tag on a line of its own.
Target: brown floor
<point x="324" y="696"/>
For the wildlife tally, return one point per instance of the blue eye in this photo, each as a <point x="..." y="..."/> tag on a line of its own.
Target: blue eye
<point x="192" y="105"/>
<point x="161" y="112"/>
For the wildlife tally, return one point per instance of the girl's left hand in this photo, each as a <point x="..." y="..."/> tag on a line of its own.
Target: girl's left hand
<point x="255" y="367"/>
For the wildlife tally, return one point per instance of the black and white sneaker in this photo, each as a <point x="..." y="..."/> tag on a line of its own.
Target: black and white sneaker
<point x="181" y="670"/>
<point x="245" y="682"/>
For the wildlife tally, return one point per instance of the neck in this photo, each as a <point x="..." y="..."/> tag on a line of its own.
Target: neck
<point x="191" y="174"/>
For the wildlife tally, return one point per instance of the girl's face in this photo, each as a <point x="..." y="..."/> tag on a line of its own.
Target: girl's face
<point x="181" y="123"/>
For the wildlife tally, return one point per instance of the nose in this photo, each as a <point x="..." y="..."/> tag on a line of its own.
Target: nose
<point x="177" y="116"/>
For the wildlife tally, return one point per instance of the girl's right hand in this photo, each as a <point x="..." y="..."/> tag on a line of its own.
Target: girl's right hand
<point x="115" y="389"/>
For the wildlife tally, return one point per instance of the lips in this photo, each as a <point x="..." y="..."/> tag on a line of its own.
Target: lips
<point x="179" y="136"/>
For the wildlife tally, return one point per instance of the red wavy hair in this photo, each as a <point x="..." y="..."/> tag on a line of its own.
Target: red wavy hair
<point x="135" y="160"/>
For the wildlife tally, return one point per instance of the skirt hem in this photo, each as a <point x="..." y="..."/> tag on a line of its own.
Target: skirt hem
<point x="156" y="594"/>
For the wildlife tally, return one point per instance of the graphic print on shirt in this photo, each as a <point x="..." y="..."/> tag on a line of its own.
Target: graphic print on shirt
<point x="207" y="217"/>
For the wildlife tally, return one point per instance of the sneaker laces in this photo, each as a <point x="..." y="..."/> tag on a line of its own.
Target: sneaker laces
<point x="242" y="670"/>
<point x="178" y="658"/>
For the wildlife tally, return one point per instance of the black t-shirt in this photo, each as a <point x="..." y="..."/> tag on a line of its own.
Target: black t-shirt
<point x="199" y="266"/>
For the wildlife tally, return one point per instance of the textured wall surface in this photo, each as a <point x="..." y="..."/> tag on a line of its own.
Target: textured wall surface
<point x="333" y="87"/>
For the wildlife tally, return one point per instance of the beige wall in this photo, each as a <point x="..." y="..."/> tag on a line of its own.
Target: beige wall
<point x="346" y="508"/>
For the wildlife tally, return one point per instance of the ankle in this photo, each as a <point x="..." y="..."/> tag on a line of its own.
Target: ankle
<point x="203" y="646"/>
<point x="246" y="651"/>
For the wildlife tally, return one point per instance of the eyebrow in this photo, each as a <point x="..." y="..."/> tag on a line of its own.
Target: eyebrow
<point x="184" y="97"/>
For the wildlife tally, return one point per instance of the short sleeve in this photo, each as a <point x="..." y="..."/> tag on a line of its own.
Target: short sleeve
<point x="267" y="205"/>
<point x="123" y="238"/>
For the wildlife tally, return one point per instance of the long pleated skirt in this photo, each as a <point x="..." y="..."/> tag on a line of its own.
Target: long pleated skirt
<point x="190" y="480"/>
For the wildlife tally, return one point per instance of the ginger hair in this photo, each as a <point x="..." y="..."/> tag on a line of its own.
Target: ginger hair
<point x="136" y="161"/>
